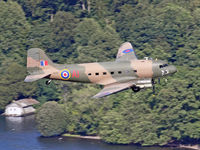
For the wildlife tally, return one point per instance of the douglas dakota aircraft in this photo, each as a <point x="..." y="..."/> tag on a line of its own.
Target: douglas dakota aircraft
<point x="125" y="72"/>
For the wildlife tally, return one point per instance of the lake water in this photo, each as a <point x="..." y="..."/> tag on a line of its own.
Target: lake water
<point x="20" y="133"/>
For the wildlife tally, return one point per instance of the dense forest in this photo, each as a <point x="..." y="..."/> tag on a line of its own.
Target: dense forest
<point x="79" y="31"/>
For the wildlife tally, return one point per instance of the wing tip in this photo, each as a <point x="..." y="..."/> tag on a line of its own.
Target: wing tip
<point x="100" y="95"/>
<point x="126" y="52"/>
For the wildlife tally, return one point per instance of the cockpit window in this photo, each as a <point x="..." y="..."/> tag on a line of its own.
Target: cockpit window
<point x="164" y="65"/>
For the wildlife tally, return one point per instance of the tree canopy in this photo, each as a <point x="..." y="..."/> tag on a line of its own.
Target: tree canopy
<point x="78" y="31"/>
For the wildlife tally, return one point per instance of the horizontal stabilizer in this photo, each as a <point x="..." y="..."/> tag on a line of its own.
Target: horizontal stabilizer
<point x="31" y="78"/>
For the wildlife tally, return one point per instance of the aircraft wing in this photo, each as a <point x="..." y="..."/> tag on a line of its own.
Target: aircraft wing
<point x="113" y="88"/>
<point x="126" y="52"/>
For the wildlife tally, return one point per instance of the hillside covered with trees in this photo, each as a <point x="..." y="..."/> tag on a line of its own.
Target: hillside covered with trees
<point x="80" y="31"/>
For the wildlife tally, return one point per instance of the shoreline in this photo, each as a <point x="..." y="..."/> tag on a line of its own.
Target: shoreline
<point x="81" y="137"/>
<point x="192" y="147"/>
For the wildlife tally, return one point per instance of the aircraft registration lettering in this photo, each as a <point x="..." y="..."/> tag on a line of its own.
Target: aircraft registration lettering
<point x="127" y="51"/>
<point x="75" y="74"/>
<point x="65" y="74"/>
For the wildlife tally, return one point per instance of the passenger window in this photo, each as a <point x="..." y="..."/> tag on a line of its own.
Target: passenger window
<point x="112" y="72"/>
<point x="97" y="74"/>
<point x="119" y="72"/>
<point x="134" y="70"/>
<point x="104" y="73"/>
<point x="164" y="65"/>
<point x="89" y="74"/>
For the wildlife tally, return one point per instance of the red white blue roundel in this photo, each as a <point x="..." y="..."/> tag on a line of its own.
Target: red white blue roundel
<point x="127" y="51"/>
<point x="65" y="74"/>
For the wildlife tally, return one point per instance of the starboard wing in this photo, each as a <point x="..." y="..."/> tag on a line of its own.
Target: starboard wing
<point x="126" y="52"/>
<point x="113" y="88"/>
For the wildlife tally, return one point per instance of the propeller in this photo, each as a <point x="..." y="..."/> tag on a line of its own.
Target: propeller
<point x="158" y="80"/>
<point x="153" y="85"/>
<point x="153" y="89"/>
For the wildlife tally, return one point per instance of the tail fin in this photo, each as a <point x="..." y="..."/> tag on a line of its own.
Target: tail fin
<point x="38" y="65"/>
<point x="126" y="52"/>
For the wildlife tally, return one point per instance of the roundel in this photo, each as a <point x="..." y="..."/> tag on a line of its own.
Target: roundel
<point x="65" y="74"/>
<point x="128" y="51"/>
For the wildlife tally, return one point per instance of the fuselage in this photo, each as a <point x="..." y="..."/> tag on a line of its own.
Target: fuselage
<point x="109" y="72"/>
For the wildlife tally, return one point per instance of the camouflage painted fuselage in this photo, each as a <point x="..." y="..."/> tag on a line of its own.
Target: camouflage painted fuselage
<point x="106" y="72"/>
<point x="126" y="72"/>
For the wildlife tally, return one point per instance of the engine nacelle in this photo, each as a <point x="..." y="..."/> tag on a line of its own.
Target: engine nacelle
<point x="144" y="83"/>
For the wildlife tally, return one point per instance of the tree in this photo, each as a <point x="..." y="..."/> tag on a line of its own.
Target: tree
<point x="56" y="37"/>
<point x="92" y="30"/>
<point x="46" y="93"/>
<point x="50" y="119"/>
<point x="12" y="85"/>
<point x="63" y="33"/>
<point x="113" y="128"/>
<point x="82" y="111"/>
<point x="13" y="29"/>
<point x="95" y="43"/>
<point x="166" y="27"/>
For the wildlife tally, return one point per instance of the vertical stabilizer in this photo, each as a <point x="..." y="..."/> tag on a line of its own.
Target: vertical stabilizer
<point x="38" y="65"/>
<point x="37" y="61"/>
<point x="126" y="52"/>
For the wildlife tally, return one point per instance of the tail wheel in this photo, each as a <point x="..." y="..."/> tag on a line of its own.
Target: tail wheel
<point x="135" y="88"/>
<point x="48" y="82"/>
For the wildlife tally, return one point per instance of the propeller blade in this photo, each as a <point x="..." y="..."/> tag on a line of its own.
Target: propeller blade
<point x="158" y="80"/>
<point x="153" y="82"/>
<point x="153" y="89"/>
<point x="153" y="85"/>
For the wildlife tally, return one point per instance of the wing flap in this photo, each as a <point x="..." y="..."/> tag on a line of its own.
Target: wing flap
<point x="113" y="88"/>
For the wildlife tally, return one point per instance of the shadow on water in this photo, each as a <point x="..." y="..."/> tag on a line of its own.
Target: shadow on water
<point x="19" y="133"/>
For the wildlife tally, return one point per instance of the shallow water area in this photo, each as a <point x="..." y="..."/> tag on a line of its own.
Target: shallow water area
<point x="20" y="133"/>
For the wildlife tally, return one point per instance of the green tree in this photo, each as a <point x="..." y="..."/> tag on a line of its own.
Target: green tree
<point x="56" y="37"/>
<point x="82" y="111"/>
<point x="12" y="85"/>
<point x="13" y="29"/>
<point x="50" y="119"/>
<point x="94" y="43"/>
<point x="90" y="30"/>
<point x="113" y="128"/>
<point x="46" y="93"/>
<point x="164" y="27"/>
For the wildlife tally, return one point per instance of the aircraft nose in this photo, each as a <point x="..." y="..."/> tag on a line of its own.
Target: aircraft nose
<point x="172" y="69"/>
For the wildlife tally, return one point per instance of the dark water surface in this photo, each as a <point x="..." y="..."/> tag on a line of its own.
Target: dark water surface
<point x="19" y="133"/>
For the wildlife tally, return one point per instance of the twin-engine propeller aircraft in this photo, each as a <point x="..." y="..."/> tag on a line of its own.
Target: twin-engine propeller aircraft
<point x="123" y="73"/>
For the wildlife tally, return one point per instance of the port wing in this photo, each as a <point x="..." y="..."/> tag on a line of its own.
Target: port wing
<point x="113" y="88"/>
